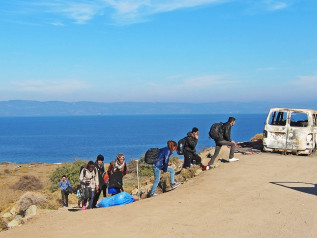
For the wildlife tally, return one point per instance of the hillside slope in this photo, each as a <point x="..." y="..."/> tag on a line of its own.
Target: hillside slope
<point x="262" y="195"/>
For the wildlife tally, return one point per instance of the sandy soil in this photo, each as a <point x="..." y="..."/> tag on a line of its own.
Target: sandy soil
<point x="263" y="195"/>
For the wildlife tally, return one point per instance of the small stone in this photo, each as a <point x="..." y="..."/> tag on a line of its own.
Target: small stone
<point x="31" y="211"/>
<point x="15" y="222"/>
<point x="13" y="211"/>
<point x="7" y="215"/>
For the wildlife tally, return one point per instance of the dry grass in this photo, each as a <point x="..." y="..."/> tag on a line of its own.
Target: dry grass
<point x="9" y="196"/>
<point x="257" y="137"/>
<point x="28" y="183"/>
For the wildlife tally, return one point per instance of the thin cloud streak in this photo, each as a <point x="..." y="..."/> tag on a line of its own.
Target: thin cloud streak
<point x="127" y="11"/>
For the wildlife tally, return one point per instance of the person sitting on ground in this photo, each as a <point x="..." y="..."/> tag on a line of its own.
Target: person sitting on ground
<point x="190" y="156"/>
<point x="225" y="139"/>
<point x="89" y="179"/>
<point x="100" y="167"/>
<point x="117" y="169"/>
<point x="64" y="184"/>
<point x="162" y="163"/>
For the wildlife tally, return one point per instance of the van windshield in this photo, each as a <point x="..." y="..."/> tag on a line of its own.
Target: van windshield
<point x="278" y="118"/>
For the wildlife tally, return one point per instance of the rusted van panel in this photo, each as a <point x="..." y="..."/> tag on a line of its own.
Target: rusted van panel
<point x="290" y="130"/>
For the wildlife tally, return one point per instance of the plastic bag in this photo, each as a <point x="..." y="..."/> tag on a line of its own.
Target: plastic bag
<point x="116" y="200"/>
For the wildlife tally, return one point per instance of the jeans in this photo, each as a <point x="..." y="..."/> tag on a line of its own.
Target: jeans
<point x="157" y="176"/>
<point x="219" y="144"/>
<point x="64" y="198"/>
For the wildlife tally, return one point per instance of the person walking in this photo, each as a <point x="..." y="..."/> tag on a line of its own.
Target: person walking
<point x="90" y="183"/>
<point x="225" y="139"/>
<point x="117" y="169"/>
<point x="162" y="163"/>
<point x="190" y="155"/>
<point x="100" y="167"/>
<point x="64" y="184"/>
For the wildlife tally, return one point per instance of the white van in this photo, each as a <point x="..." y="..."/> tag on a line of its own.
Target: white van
<point x="290" y="130"/>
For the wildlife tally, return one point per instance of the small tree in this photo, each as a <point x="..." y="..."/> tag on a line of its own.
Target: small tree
<point x="71" y="170"/>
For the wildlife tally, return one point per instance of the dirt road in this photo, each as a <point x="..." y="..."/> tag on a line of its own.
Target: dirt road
<point x="264" y="195"/>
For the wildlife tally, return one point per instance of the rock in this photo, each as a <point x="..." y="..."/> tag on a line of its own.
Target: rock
<point x="134" y="192"/>
<point x="31" y="211"/>
<point x="7" y="215"/>
<point x="198" y="171"/>
<point x="13" y="211"/>
<point x="15" y="222"/>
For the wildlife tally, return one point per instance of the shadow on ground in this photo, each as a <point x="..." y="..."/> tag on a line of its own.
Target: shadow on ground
<point x="305" y="189"/>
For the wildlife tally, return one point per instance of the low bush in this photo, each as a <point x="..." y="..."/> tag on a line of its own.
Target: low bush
<point x="7" y="171"/>
<point x="31" y="198"/>
<point x="71" y="170"/>
<point x="28" y="183"/>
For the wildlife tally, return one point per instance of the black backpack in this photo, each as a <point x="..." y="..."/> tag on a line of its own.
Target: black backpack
<point x="180" y="146"/>
<point x="216" y="131"/>
<point x="151" y="155"/>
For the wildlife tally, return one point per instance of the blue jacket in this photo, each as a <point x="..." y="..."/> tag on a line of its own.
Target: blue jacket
<point x="64" y="185"/>
<point x="163" y="159"/>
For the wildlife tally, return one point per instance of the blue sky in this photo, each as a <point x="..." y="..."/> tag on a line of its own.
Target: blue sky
<point x="158" y="51"/>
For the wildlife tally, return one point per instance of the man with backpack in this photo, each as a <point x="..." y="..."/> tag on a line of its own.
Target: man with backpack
<point x="190" y="155"/>
<point x="100" y="168"/>
<point x="222" y="136"/>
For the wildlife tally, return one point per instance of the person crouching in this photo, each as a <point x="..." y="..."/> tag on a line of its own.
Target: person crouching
<point x="162" y="163"/>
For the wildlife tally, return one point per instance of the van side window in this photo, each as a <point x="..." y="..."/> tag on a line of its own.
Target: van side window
<point x="315" y="119"/>
<point x="299" y="119"/>
<point x="278" y="118"/>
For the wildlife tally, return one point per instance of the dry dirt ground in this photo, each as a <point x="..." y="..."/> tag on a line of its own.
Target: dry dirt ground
<point x="262" y="195"/>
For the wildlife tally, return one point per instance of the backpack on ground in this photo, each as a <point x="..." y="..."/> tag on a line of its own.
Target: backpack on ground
<point x="181" y="145"/>
<point x="216" y="131"/>
<point x="151" y="155"/>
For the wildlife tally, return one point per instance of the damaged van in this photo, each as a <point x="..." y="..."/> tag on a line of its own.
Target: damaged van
<point x="290" y="131"/>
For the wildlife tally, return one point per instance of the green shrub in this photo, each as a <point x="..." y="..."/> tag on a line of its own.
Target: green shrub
<point x="71" y="170"/>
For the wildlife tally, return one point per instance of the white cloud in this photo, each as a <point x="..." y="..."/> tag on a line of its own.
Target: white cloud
<point x="49" y="86"/>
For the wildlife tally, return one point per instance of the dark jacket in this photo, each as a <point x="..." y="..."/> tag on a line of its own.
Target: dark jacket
<point x="191" y="143"/>
<point x="101" y="172"/>
<point x="226" y="131"/>
<point x="163" y="159"/>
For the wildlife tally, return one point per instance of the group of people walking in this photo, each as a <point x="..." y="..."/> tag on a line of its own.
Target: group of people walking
<point x="95" y="179"/>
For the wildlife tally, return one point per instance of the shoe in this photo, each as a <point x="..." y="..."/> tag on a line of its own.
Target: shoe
<point x="154" y="195"/>
<point x="233" y="160"/>
<point x="206" y="167"/>
<point x="175" y="185"/>
<point x="84" y="208"/>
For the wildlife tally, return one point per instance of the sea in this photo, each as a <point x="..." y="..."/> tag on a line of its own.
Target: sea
<point x="63" y="139"/>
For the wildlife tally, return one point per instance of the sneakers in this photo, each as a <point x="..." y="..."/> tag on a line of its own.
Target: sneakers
<point x="233" y="160"/>
<point x="175" y="185"/>
<point x="206" y="167"/>
<point x="84" y="208"/>
<point x="154" y="195"/>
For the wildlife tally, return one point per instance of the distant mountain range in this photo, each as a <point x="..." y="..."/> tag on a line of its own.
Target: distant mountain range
<point x="60" y="108"/>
